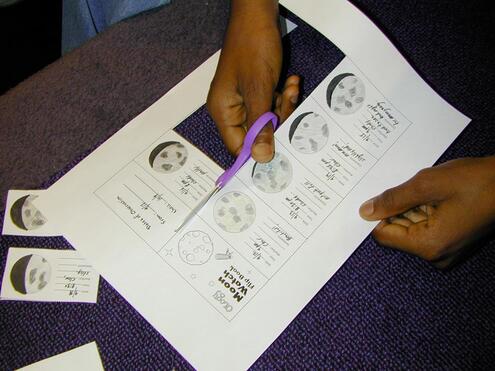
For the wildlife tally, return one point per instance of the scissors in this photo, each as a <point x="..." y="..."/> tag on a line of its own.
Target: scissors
<point x="245" y="154"/>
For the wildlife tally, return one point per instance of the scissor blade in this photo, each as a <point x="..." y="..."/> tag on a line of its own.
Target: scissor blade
<point x="198" y="207"/>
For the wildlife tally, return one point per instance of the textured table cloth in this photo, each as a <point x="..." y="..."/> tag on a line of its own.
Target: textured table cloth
<point x="383" y="308"/>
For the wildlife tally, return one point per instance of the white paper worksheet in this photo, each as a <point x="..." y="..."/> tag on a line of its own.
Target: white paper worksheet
<point x="224" y="287"/>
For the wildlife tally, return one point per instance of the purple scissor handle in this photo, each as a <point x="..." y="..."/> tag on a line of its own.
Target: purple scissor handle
<point x="245" y="154"/>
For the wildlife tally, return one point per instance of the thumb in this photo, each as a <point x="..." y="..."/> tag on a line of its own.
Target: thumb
<point x="258" y="102"/>
<point x="394" y="201"/>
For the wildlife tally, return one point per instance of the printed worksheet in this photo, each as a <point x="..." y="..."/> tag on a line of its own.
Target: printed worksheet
<point x="222" y="288"/>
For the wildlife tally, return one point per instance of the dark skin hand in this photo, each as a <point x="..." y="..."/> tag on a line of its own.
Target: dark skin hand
<point x="439" y="213"/>
<point x="246" y="77"/>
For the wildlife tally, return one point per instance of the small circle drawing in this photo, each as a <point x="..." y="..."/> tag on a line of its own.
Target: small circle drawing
<point x="195" y="248"/>
<point x="168" y="157"/>
<point x="30" y="274"/>
<point x="345" y="94"/>
<point x="308" y="133"/>
<point x="273" y="176"/>
<point x="25" y="215"/>
<point x="234" y="212"/>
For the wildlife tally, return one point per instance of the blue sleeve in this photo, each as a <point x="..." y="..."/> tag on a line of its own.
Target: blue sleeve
<point x="83" y="19"/>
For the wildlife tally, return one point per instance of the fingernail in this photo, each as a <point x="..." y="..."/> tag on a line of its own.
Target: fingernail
<point x="263" y="152"/>
<point x="367" y="208"/>
<point x="294" y="98"/>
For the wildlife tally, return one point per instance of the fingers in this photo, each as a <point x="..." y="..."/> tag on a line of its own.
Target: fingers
<point x="399" y="221"/>
<point x="433" y="237"/>
<point x="394" y="235"/>
<point x="416" y="215"/>
<point x="257" y="97"/>
<point x="419" y="190"/>
<point x="453" y="214"/>
<point x="226" y="109"/>
<point x="264" y="145"/>
<point x="233" y="113"/>
<point x="414" y="238"/>
<point x="233" y="137"/>
<point x="285" y="104"/>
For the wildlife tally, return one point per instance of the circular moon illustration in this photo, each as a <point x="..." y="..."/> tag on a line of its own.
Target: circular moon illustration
<point x="234" y="212"/>
<point x="30" y="274"/>
<point x="168" y="157"/>
<point x="273" y="176"/>
<point x="345" y="94"/>
<point x="308" y="133"/>
<point x="195" y="248"/>
<point x="25" y="215"/>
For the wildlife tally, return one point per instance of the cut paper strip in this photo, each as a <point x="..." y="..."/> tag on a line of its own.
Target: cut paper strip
<point x="286" y="26"/>
<point x="48" y="275"/>
<point x="83" y="358"/>
<point x="25" y="215"/>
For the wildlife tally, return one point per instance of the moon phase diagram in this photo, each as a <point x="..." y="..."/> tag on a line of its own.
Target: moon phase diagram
<point x="234" y="212"/>
<point x="30" y="274"/>
<point x="273" y="176"/>
<point x="345" y="94"/>
<point x="25" y="215"/>
<point x="195" y="248"/>
<point x="308" y="133"/>
<point x="168" y="157"/>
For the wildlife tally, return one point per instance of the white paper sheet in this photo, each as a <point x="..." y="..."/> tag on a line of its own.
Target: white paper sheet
<point x="48" y="275"/>
<point x="83" y="358"/>
<point x="225" y="287"/>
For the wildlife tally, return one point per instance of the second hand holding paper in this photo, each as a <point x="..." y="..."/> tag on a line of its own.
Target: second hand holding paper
<point x="245" y="154"/>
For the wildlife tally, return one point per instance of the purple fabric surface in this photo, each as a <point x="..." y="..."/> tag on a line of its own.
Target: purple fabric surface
<point x="383" y="308"/>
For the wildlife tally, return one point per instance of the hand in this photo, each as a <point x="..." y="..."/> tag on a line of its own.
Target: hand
<point x="438" y="213"/>
<point x="247" y="74"/>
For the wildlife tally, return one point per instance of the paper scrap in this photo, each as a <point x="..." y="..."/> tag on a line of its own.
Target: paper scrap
<point x="24" y="214"/>
<point x="48" y="275"/>
<point x="286" y="25"/>
<point x="83" y="358"/>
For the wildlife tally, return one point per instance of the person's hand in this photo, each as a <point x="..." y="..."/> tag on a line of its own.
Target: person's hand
<point x="247" y="74"/>
<point x="438" y="213"/>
